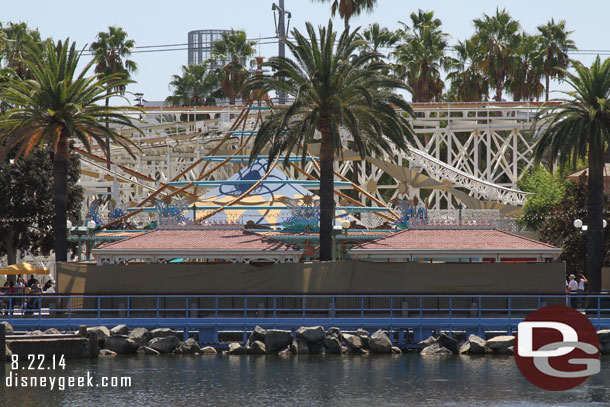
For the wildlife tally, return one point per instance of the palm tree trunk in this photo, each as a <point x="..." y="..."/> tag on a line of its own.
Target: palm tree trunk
<point x="548" y="81"/>
<point x="327" y="200"/>
<point x="60" y="179"/>
<point x="595" y="203"/>
<point x="106" y="103"/>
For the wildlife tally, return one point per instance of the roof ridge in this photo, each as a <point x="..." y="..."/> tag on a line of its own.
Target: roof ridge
<point x="525" y="238"/>
<point x="144" y="232"/>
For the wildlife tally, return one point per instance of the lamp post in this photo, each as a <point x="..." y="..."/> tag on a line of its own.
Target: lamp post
<point x="578" y="224"/>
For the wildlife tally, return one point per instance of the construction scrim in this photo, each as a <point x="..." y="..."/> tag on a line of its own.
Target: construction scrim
<point x="348" y="277"/>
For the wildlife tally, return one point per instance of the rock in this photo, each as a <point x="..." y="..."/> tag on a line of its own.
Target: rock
<point x="504" y="351"/>
<point x="604" y="348"/>
<point x="34" y="333"/>
<point x="427" y="342"/>
<point x="8" y="353"/>
<point x="258" y="334"/>
<point x="396" y="350"/>
<point x="332" y="344"/>
<point x="310" y="334"/>
<point x="208" y="350"/>
<point x="162" y="333"/>
<point x="140" y="335"/>
<point x="145" y="350"/>
<point x="315" y="348"/>
<point x="121" y="344"/>
<point x="499" y="343"/>
<point x="166" y="344"/>
<point x="102" y="333"/>
<point x="334" y="331"/>
<point x="107" y="352"/>
<point x="353" y="342"/>
<point x="346" y="351"/>
<point x="236" y="349"/>
<point x="8" y="327"/>
<point x="284" y="353"/>
<point x="52" y="331"/>
<point x="299" y="346"/>
<point x="364" y="337"/>
<point x="190" y="346"/>
<point x="276" y="339"/>
<point x="477" y="346"/>
<point x="380" y="343"/>
<point x="603" y="335"/>
<point x="435" y="349"/>
<point x="120" y="330"/>
<point x="447" y="342"/>
<point x="258" y="348"/>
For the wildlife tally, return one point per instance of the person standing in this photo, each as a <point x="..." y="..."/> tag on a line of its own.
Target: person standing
<point x="572" y="290"/>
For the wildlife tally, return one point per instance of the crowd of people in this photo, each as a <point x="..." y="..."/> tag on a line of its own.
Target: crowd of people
<point x="28" y="294"/>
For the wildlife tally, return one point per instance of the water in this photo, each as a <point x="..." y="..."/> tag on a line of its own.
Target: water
<point x="408" y="380"/>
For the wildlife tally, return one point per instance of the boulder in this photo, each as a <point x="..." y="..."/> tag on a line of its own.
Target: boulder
<point x="140" y="335"/>
<point x="353" y="342"/>
<point x="499" y="343"/>
<point x="162" y="333"/>
<point x="334" y="331"/>
<point x="257" y="348"/>
<point x="35" y="333"/>
<point x="121" y="344"/>
<point x="120" y="330"/>
<point x="276" y="340"/>
<point x="604" y="348"/>
<point x="504" y="351"/>
<point x="145" y="350"/>
<point x="258" y="334"/>
<point x="236" y="349"/>
<point x="190" y="346"/>
<point x="310" y="334"/>
<point x="477" y="346"/>
<point x="208" y="350"/>
<point x="396" y="350"/>
<point x="380" y="343"/>
<point x="8" y="353"/>
<point x="315" y="348"/>
<point x="101" y="331"/>
<point x="8" y="327"/>
<point x="52" y="331"/>
<point x="332" y="344"/>
<point x="447" y="342"/>
<point x="299" y="346"/>
<point x="107" y="352"/>
<point x="427" y="342"/>
<point x="603" y="335"/>
<point x="284" y="353"/>
<point x="165" y="344"/>
<point x="364" y="337"/>
<point x="435" y="349"/>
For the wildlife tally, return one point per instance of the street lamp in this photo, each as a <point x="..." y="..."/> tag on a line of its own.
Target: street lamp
<point x="578" y="224"/>
<point x="80" y="231"/>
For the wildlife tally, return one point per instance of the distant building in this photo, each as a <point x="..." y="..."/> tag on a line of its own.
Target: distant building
<point x="200" y="44"/>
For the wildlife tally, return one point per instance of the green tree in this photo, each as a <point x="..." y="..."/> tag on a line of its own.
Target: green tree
<point x="579" y="128"/>
<point x="378" y="37"/>
<point x="497" y="37"/>
<point x="232" y="51"/>
<point x="349" y="8"/>
<point x="421" y="55"/>
<point x="468" y="84"/>
<point x="556" y="43"/>
<point x="333" y="86"/>
<point x="195" y="87"/>
<point x="527" y="69"/>
<point x="548" y="192"/>
<point x="57" y="105"/>
<point x="14" y="38"/>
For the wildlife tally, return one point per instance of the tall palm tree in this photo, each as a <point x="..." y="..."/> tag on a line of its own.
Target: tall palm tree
<point x="194" y="87"/>
<point x="422" y="55"/>
<point x="333" y="87"/>
<point x="14" y="38"/>
<point x="524" y="81"/>
<point x="579" y="128"/>
<point x="232" y="51"/>
<point x="377" y="37"/>
<point x="468" y="84"/>
<point x="497" y="37"/>
<point x="556" y="43"/>
<point x="58" y="105"/>
<point x="349" y="8"/>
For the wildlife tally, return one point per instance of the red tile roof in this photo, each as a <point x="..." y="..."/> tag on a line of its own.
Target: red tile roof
<point x="199" y="239"/>
<point x="454" y="239"/>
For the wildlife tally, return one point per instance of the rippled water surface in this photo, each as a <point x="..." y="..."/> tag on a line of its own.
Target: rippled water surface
<point x="411" y="380"/>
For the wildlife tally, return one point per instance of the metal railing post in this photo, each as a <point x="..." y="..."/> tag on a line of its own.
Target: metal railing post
<point x="128" y="307"/>
<point x="99" y="311"/>
<point x="157" y="310"/>
<point x="274" y="308"/>
<point x="304" y="305"/>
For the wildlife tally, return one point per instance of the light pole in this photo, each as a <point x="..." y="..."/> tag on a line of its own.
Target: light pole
<point x="578" y="224"/>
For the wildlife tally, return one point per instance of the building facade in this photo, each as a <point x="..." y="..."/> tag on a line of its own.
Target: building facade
<point x="200" y="44"/>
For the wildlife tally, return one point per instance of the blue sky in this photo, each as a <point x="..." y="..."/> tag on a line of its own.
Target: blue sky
<point x="155" y="22"/>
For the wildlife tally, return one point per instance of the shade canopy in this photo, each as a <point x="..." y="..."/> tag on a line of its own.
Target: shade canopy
<point x="24" y="268"/>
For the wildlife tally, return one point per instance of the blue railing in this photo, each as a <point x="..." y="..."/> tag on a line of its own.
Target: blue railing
<point x="418" y="314"/>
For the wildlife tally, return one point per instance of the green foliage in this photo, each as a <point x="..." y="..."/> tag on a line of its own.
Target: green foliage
<point x="233" y="50"/>
<point x="548" y="191"/>
<point x="349" y="8"/>
<point x="195" y="87"/>
<point x="111" y="50"/>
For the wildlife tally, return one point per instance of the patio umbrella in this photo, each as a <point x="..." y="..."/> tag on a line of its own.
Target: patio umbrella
<point x="24" y="268"/>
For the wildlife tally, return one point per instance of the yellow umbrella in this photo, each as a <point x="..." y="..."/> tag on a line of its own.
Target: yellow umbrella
<point x="24" y="268"/>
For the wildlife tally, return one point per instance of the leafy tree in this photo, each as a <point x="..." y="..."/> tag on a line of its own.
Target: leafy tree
<point x="525" y="81"/>
<point x="378" y="37"/>
<point x="26" y="185"/>
<point x="556" y="43"/>
<point x="496" y="38"/>
<point x="548" y="192"/>
<point x="233" y="51"/>
<point x="422" y="55"/>
<point x="195" y="87"/>
<point x="468" y="83"/>
<point x="333" y="87"/>
<point x="14" y="38"/>
<point x="349" y="8"/>
<point x="57" y="105"/>
<point x="579" y="128"/>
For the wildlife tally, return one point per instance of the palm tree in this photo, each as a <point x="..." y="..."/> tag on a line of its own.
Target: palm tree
<point x="194" y="87"/>
<point x="556" y="44"/>
<point x="233" y="51"/>
<point x="55" y="106"/>
<point x="349" y="8"/>
<point x="579" y="128"/>
<point x="333" y="87"/>
<point x="13" y="40"/>
<point x="497" y="37"/>
<point x="422" y="55"/>
<point x="468" y="84"/>
<point x="377" y="37"/>
<point x="525" y="80"/>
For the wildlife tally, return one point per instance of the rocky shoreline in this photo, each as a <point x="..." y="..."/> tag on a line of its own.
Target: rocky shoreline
<point x="121" y="340"/>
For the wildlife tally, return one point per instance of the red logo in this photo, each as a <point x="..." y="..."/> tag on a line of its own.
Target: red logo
<point x="557" y="348"/>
